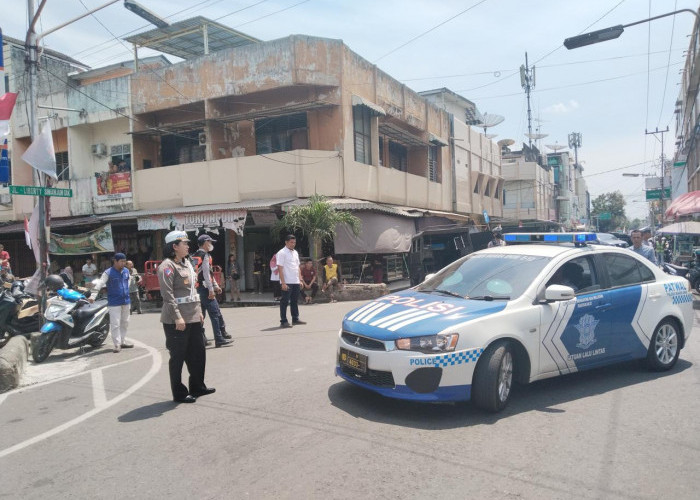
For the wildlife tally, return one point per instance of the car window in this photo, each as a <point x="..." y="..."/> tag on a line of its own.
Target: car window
<point x="578" y="273"/>
<point x="487" y="276"/>
<point x="624" y="270"/>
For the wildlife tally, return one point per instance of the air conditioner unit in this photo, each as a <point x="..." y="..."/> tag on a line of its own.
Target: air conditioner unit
<point x="5" y="199"/>
<point x="202" y="138"/>
<point x="99" y="149"/>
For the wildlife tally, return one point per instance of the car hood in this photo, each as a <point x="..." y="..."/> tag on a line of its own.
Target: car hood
<point x="411" y="314"/>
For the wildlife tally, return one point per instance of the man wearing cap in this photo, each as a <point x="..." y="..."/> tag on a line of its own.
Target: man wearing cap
<point x="182" y="319"/>
<point x="497" y="240"/>
<point x="290" y="279"/>
<point x="208" y="288"/>
<point x="116" y="279"/>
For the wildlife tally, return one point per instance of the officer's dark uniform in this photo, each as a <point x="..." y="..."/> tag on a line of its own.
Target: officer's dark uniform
<point x="181" y="301"/>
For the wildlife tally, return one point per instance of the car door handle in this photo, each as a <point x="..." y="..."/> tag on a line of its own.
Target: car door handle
<point x="603" y="307"/>
<point x="654" y="295"/>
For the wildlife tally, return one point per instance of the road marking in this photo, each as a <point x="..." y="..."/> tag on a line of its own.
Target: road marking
<point x="3" y="397"/>
<point x="99" y="396"/>
<point x="155" y="367"/>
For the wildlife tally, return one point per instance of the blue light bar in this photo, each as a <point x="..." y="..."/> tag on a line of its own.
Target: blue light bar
<point x="578" y="238"/>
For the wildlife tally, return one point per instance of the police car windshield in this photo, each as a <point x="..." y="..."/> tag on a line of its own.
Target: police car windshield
<point x="496" y="276"/>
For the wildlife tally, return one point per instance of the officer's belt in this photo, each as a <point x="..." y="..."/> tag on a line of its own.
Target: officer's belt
<point x="186" y="300"/>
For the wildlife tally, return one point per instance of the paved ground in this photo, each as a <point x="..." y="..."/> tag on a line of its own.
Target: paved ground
<point x="281" y="425"/>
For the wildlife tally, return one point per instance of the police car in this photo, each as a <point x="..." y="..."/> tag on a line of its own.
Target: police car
<point x="522" y="312"/>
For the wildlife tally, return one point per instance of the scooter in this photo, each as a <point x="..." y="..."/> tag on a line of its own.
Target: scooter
<point x="19" y="312"/>
<point x="71" y="321"/>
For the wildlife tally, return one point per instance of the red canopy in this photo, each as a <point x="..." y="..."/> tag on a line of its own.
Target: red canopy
<point x="685" y="204"/>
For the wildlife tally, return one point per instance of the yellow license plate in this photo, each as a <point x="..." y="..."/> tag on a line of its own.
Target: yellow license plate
<point x="354" y="360"/>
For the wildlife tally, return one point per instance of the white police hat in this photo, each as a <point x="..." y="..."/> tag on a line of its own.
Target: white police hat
<point x="176" y="236"/>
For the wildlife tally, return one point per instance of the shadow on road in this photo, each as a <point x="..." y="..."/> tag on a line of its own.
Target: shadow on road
<point x="149" y="411"/>
<point x="543" y="396"/>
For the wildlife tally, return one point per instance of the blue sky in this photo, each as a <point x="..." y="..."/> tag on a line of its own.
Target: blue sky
<point x="609" y="92"/>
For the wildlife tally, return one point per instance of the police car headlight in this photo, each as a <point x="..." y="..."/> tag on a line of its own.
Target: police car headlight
<point x="429" y="343"/>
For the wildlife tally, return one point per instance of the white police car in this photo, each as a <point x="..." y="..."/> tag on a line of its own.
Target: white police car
<point x="516" y="313"/>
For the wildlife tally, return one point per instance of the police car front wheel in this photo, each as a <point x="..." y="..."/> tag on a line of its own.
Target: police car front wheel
<point x="664" y="349"/>
<point x="493" y="377"/>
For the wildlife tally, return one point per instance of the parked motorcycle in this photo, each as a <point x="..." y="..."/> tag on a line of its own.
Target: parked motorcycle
<point x="71" y="321"/>
<point x="19" y="312"/>
<point x="675" y="270"/>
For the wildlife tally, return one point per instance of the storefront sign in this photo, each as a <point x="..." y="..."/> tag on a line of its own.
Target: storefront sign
<point x="264" y="218"/>
<point x="230" y="219"/>
<point x="113" y="186"/>
<point x="97" y="241"/>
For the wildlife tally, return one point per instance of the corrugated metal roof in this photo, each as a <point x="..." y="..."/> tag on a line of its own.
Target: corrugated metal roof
<point x="16" y="227"/>
<point x="260" y="204"/>
<point x="185" y="39"/>
<point x="355" y="204"/>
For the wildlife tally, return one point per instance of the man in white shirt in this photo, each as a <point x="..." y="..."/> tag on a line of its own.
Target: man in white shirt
<point x="89" y="271"/>
<point x="290" y="279"/>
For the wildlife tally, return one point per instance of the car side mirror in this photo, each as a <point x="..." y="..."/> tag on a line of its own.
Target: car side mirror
<point x="558" y="293"/>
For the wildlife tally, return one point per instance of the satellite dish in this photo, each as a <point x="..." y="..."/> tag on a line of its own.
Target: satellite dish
<point x="490" y="136"/>
<point x="556" y="147"/>
<point x="506" y="142"/>
<point x="536" y="137"/>
<point x="490" y="120"/>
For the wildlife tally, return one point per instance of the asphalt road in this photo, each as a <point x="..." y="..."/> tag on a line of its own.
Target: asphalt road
<point x="281" y="425"/>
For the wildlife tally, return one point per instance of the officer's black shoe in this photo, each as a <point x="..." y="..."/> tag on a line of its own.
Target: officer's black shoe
<point x="204" y="392"/>
<point x="298" y="322"/>
<point x="186" y="399"/>
<point x="285" y="325"/>
<point x="225" y="343"/>
<point x="226" y="335"/>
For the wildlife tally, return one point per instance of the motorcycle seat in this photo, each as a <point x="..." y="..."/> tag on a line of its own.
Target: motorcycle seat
<point x="675" y="267"/>
<point x="88" y="310"/>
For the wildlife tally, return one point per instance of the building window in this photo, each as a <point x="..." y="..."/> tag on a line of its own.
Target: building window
<point x="487" y="189"/>
<point x="362" y="126"/>
<point x="477" y="186"/>
<point x="284" y="133"/>
<point x="433" y="163"/>
<point x="381" y="151"/>
<point x="398" y="156"/>
<point x="182" y="148"/>
<point x="121" y="157"/>
<point x="62" y="168"/>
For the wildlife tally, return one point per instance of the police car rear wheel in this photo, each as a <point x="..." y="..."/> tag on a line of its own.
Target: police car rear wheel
<point x="663" y="350"/>
<point x="493" y="377"/>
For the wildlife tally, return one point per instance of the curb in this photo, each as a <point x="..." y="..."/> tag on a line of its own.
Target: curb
<point x="13" y="359"/>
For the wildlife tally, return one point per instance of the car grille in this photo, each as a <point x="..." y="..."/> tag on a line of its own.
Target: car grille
<point x="363" y="342"/>
<point x="373" y="377"/>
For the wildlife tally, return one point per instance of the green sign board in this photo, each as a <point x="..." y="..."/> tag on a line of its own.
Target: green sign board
<point x="679" y="164"/>
<point x="605" y="216"/>
<point x="41" y="191"/>
<point x="655" y="194"/>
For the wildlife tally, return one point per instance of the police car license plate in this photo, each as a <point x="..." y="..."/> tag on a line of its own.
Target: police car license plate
<point x="354" y="360"/>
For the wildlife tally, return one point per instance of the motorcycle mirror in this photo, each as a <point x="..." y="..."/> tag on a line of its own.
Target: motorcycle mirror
<point x="87" y="294"/>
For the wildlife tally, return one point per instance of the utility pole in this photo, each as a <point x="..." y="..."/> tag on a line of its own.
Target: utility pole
<point x="527" y="81"/>
<point x="663" y="168"/>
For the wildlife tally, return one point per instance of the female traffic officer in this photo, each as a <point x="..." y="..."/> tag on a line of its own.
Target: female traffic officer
<point x="182" y="319"/>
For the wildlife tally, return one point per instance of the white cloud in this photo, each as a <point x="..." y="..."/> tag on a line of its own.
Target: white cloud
<point x="562" y="107"/>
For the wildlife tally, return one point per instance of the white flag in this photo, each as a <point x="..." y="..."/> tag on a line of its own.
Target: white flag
<point x="40" y="154"/>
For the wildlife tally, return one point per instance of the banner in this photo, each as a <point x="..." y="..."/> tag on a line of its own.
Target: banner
<point x="97" y="241"/>
<point x="112" y="186"/>
<point x="230" y="219"/>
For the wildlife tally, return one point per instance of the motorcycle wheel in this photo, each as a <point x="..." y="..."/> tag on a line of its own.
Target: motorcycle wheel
<point x="101" y="334"/>
<point x="42" y="345"/>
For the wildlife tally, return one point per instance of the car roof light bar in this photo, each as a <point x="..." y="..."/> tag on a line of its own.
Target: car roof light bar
<point x="576" y="238"/>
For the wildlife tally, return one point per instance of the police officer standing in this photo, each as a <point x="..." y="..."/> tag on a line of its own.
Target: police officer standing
<point x="208" y="288"/>
<point x="182" y="319"/>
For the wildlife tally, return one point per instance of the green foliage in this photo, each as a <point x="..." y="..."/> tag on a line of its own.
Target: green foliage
<point x="612" y="203"/>
<point x="317" y="220"/>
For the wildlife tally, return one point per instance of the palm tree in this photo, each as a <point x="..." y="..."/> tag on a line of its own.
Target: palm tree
<point x="317" y="220"/>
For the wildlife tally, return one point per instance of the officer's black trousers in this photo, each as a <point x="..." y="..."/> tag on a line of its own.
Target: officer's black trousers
<point x="186" y="346"/>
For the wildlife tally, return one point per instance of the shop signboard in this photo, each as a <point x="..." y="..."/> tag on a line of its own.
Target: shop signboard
<point x="97" y="241"/>
<point x="112" y="186"/>
<point x="230" y="219"/>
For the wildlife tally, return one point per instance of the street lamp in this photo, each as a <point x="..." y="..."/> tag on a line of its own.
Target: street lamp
<point x="613" y="32"/>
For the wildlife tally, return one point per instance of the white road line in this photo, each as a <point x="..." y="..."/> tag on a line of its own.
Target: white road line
<point x="99" y="396"/>
<point x="155" y="367"/>
<point x="3" y="397"/>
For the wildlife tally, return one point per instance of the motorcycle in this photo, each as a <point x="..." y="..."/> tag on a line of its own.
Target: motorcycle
<point x="675" y="270"/>
<point x="71" y="321"/>
<point x="19" y="312"/>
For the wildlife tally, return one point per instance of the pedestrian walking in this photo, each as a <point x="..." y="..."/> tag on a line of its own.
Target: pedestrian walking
<point x="208" y="288"/>
<point x="116" y="280"/>
<point x="134" y="280"/>
<point x="290" y="278"/>
<point x="331" y="278"/>
<point x="182" y="319"/>
<point x="275" y="279"/>
<point x="308" y="282"/>
<point x="233" y="274"/>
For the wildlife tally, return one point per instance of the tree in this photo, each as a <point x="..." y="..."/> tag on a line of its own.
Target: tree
<point x="613" y="204"/>
<point x="317" y="220"/>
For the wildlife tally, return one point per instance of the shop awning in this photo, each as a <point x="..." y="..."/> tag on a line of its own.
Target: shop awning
<point x="685" y="204"/>
<point x="258" y="204"/>
<point x="381" y="233"/>
<point x="686" y="227"/>
<point x="356" y="204"/>
<point x="375" y="109"/>
<point x="18" y="227"/>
